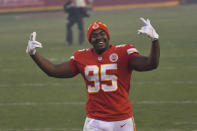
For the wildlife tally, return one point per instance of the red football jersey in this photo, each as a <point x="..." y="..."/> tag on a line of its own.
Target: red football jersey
<point x="107" y="77"/>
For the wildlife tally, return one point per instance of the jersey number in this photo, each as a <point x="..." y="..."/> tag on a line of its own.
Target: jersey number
<point x="95" y="74"/>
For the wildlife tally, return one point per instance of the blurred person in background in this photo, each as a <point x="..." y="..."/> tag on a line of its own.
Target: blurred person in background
<point x="76" y="10"/>
<point x="187" y="1"/>
<point x="107" y="71"/>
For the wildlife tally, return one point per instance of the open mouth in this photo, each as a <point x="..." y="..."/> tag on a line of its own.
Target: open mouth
<point x="100" y="46"/>
<point x="100" y="43"/>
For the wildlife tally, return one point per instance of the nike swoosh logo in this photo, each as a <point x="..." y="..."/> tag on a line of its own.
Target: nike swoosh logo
<point x="121" y="126"/>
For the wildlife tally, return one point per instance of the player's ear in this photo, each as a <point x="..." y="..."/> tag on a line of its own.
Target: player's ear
<point x="90" y="41"/>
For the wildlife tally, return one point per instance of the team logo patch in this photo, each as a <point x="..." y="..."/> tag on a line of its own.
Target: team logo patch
<point x="113" y="57"/>
<point x="95" y="26"/>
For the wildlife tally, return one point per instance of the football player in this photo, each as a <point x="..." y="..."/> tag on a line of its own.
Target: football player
<point x="106" y="70"/>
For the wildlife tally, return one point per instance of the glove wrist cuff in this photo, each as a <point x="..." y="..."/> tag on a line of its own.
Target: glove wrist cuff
<point x="154" y="39"/>
<point x="34" y="52"/>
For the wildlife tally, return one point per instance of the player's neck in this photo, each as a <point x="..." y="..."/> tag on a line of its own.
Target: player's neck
<point x="99" y="52"/>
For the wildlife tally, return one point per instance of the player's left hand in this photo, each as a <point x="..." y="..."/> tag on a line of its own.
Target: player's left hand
<point x="33" y="44"/>
<point x="148" y="30"/>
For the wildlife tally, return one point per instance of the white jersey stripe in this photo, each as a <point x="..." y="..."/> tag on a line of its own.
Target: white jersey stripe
<point x="131" y="51"/>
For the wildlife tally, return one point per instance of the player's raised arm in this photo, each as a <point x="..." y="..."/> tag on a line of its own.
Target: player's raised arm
<point x="62" y="70"/>
<point x="145" y="63"/>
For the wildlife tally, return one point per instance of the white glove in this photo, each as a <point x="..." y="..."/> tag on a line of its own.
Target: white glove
<point x="33" y="44"/>
<point x="148" y="30"/>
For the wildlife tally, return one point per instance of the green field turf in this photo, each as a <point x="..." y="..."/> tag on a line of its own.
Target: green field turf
<point x="163" y="100"/>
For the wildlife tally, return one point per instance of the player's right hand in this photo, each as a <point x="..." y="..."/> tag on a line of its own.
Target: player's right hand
<point x="33" y="44"/>
<point x="148" y="30"/>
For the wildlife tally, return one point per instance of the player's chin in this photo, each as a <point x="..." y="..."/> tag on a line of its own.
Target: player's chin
<point x="100" y="47"/>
